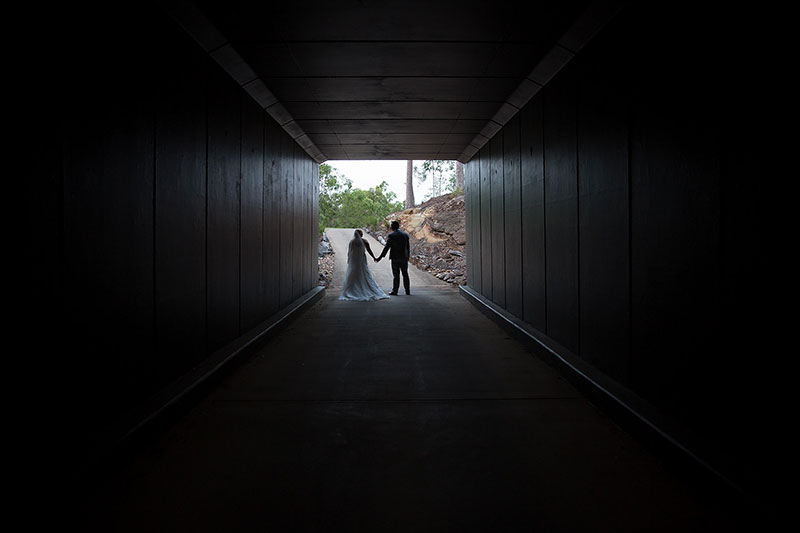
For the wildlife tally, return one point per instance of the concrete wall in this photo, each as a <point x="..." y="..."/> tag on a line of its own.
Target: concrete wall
<point x="169" y="213"/>
<point x="617" y="214"/>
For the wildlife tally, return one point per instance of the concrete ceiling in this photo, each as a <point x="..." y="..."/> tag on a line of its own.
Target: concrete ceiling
<point x="364" y="79"/>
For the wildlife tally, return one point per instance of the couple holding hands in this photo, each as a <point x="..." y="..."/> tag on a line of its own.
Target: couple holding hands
<point x="359" y="284"/>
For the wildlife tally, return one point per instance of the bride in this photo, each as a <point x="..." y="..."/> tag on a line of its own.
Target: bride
<point x="358" y="281"/>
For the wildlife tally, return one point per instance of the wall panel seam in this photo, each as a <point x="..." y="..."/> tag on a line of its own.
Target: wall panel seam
<point x="205" y="251"/>
<point x="521" y="264"/>
<point x="544" y="208"/>
<point x="576" y="103"/>
<point x="155" y="222"/>
<point x="241" y="143"/>
<point x="629" y="140"/>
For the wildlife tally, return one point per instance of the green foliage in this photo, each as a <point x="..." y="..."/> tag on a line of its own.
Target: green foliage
<point x="442" y="174"/>
<point x="342" y="206"/>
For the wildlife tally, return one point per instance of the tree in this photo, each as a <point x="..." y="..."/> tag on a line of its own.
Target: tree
<point x="331" y="189"/>
<point x="441" y="174"/>
<point x="459" y="176"/>
<point x="409" y="184"/>
<point x="342" y="206"/>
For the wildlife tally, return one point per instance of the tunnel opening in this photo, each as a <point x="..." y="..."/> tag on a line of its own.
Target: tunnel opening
<point x="371" y="194"/>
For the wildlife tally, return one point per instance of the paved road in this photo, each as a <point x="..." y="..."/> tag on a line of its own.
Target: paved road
<point x="340" y="237"/>
<point x="412" y="414"/>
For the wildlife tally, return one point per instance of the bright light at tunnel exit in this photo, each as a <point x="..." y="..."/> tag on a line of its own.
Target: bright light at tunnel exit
<point x="367" y="174"/>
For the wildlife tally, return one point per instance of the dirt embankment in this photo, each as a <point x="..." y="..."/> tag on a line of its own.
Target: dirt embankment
<point x="437" y="232"/>
<point x="325" y="261"/>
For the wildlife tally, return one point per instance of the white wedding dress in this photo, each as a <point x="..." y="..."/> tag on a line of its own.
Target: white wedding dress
<point x="358" y="281"/>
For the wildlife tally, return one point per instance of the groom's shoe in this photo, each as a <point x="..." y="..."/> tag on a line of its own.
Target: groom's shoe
<point x="393" y="293"/>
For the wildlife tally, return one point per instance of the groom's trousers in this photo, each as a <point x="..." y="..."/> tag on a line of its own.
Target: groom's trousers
<point x="397" y="268"/>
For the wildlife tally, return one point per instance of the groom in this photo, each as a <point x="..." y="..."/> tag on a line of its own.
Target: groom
<point x="397" y="242"/>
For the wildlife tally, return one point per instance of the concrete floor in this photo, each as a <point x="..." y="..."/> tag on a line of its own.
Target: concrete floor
<point x="409" y="414"/>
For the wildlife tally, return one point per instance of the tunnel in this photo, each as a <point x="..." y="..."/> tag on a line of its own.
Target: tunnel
<point x="613" y="188"/>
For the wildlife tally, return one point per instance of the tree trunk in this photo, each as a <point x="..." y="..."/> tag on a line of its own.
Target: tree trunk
<point x="459" y="175"/>
<point x="410" y="184"/>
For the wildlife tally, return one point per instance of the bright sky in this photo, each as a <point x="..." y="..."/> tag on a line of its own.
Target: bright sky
<point x="368" y="174"/>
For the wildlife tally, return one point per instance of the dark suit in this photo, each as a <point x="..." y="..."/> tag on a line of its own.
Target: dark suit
<point x="397" y="244"/>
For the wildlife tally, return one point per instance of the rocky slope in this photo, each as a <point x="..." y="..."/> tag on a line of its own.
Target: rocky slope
<point x="437" y="232"/>
<point x="325" y="261"/>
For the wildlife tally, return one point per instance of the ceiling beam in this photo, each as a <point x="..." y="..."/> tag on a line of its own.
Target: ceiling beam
<point x="210" y="39"/>
<point x="583" y="30"/>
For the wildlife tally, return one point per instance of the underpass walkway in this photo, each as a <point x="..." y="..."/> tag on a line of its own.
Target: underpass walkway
<point x="415" y="413"/>
<point x="382" y="271"/>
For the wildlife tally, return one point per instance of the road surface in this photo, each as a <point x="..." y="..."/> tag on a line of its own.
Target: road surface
<point x="339" y="239"/>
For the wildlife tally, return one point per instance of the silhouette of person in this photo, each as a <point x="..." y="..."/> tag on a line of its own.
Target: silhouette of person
<point x="358" y="281"/>
<point x="397" y="244"/>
